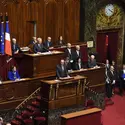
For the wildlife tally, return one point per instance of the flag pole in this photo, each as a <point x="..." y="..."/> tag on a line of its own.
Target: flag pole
<point x="8" y="49"/>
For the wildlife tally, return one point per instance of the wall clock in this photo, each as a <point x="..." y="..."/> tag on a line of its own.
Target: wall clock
<point x="109" y="10"/>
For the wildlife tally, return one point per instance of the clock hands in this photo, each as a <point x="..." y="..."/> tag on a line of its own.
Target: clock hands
<point x="111" y="10"/>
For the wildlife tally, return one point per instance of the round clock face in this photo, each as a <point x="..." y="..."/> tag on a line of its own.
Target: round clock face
<point x="109" y="10"/>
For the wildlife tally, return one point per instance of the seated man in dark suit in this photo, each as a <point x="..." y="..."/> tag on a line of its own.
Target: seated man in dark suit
<point x="15" y="47"/>
<point x="13" y="74"/>
<point x="48" y="43"/>
<point x="78" y="64"/>
<point x="38" y="47"/>
<point x="61" y="42"/>
<point x="92" y="62"/>
<point x="61" y="70"/>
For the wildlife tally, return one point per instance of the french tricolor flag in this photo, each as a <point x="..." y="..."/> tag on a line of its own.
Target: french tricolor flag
<point x="8" y="49"/>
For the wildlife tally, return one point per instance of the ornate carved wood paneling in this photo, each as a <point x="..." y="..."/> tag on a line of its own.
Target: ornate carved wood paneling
<point x="52" y="17"/>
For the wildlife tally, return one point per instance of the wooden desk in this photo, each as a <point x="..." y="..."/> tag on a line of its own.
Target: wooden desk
<point x="62" y="93"/>
<point x="87" y="117"/>
<point x="43" y="65"/>
<point x="95" y="77"/>
<point x="13" y="93"/>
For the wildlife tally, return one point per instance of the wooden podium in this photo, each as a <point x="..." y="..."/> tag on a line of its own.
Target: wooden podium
<point x="43" y="65"/>
<point x="62" y="93"/>
<point x="85" y="117"/>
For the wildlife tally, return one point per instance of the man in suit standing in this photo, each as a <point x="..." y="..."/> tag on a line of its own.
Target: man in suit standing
<point x="110" y="81"/>
<point x="14" y="46"/>
<point x="48" y="43"/>
<point x="38" y="47"/>
<point x="61" y="70"/>
<point x="77" y="53"/>
<point x="70" y="54"/>
<point x="122" y="80"/>
<point x="13" y="74"/>
<point x="92" y="62"/>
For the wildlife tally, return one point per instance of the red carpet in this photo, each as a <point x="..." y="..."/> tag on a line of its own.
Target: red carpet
<point x="115" y="114"/>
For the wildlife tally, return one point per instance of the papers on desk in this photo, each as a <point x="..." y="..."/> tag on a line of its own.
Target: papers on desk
<point x="96" y="67"/>
<point x="44" y="53"/>
<point x="55" y="52"/>
<point x="22" y="79"/>
<point x="66" y="78"/>
<point x="24" y="49"/>
<point x="63" y="46"/>
<point x="57" y="80"/>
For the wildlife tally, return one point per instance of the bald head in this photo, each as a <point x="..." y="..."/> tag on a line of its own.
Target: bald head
<point x="39" y="40"/>
<point x="92" y="57"/>
<point x="77" y="47"/>
<point x="69" y="45"/>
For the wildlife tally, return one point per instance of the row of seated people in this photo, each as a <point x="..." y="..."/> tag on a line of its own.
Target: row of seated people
<point x="37" y="45"/>
<point x="66" y="66"/>
<point x="62" y="68"/>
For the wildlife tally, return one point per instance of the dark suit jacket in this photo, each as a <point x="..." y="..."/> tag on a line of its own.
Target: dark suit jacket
<point x="47" y="44"/>
<point x="11" y="75"/>
<point x="77" y="66"/>
<point x="70" y="55"/>
<point x="112" y="76"/>
<point x="31" y="42"/>
<point x="14" y="49"/>
<point x="91" y="64"/>
<point x="68" y="66"/>
<point x="41" y="49"/>
<point x="76" y="56"/>
<point x="60" y="72"/>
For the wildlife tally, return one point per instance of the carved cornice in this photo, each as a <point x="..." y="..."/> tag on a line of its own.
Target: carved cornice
<point x="6" y="2"/>
<point x="29" y="1"/>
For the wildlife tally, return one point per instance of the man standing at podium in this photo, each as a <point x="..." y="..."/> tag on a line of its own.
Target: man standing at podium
<point x="61" y="70"/>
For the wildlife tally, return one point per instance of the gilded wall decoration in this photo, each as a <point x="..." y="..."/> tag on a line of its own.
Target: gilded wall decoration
<point x="107" y="22"/>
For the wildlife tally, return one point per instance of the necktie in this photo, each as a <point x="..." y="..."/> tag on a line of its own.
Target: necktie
<point x="48" y="44"/>
<point x="39" y="46"/>
<point x="14" y="46"/>
<point x="79" y="66"/>
<point x="62" y="68"/>
<point x="78" y="53"/>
